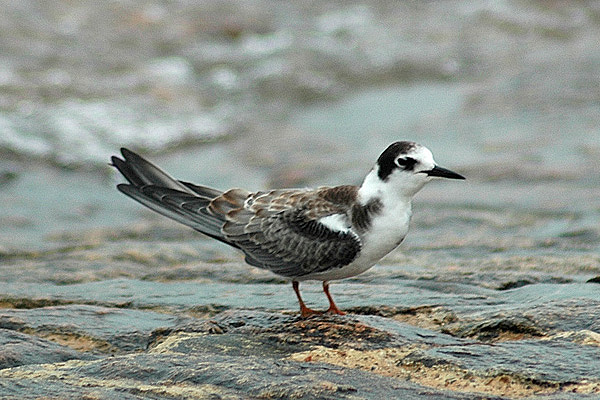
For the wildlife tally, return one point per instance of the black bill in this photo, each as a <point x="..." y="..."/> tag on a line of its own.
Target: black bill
<point x="443" y="173"/>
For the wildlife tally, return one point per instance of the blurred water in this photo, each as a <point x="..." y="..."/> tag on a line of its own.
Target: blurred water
<point x="78" y="80"/>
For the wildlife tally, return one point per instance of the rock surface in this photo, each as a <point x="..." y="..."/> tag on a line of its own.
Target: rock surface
<point x="403" y="339"/>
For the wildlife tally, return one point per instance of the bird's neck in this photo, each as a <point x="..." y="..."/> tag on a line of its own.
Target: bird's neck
<point x="374" y="189"/>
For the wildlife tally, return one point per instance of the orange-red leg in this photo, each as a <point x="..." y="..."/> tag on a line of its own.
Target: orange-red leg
<point x="304" y="311"/>
<point x="332" y="307"/>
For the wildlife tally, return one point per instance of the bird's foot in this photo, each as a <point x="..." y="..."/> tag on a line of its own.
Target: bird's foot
<point x="334" y="310"/>
<point x="306" y="312"/>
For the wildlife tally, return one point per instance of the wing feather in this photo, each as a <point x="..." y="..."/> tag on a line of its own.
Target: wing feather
<point x="280" y="231"/>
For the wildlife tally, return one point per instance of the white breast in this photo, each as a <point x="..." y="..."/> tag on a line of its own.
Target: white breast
<point x="387" y="231"/>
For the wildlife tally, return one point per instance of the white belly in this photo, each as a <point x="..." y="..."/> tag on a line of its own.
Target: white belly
<point x="384" y="236"/>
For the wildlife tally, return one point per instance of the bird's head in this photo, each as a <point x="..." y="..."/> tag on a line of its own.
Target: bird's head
<point x="405" y="167"/>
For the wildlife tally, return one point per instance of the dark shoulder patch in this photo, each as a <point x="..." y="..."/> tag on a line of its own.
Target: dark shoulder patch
<point x="386" y="160"/>
<point x="362" y="215"/>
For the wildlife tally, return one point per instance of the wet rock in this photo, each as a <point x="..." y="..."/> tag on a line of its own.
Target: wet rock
<point x="22" y="349"/>
<point x="535" y="311"/>
<point x="181" y="376"/>
<point x="495" y="329"/>
<point x="547" y="362"/>
<point x="253" y="354"/>
<point x="89" y="328"/>
<point x="240" y="352"/>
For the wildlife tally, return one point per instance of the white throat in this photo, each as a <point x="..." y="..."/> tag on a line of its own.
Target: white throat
<point x="389" y="193"/>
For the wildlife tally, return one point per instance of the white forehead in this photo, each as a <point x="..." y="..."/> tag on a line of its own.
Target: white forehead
<point x="422" y="154"/>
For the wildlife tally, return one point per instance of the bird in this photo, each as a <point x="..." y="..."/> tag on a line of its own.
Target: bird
<point x="302" y="234"/>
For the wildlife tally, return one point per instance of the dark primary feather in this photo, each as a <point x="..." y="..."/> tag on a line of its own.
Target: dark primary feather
<point x="181" y="201"/>
<point x="277" y="230"/>
<point x="139" y="172"/>
<point x="203" y="191"/>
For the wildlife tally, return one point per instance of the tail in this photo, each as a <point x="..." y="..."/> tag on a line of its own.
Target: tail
<point x="181" y="201"/>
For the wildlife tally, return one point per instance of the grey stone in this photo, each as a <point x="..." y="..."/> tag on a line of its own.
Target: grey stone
<point x="96" y="328"/>
<point x="21" y="349"/>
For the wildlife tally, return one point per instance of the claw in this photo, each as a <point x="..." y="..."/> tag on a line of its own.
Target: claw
<point x="333" y="309"/>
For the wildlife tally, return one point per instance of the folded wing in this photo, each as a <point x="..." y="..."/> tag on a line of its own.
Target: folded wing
<point x="283" y="231"/>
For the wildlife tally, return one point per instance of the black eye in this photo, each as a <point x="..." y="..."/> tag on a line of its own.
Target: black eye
<point x="408" y="163"/>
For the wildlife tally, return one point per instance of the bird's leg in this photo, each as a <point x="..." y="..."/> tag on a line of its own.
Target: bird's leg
<point x="304" y="311"/>
<point x="332" y="307"/>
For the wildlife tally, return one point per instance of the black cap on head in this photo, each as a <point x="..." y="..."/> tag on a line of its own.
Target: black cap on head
<point x="387" y="159"/>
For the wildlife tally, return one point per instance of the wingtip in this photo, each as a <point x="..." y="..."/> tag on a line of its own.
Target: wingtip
<point x="117" y="163"/>
<point x="132" y="156"/>
<point x="125" y="151"/>
<point x="124" y="187"/>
